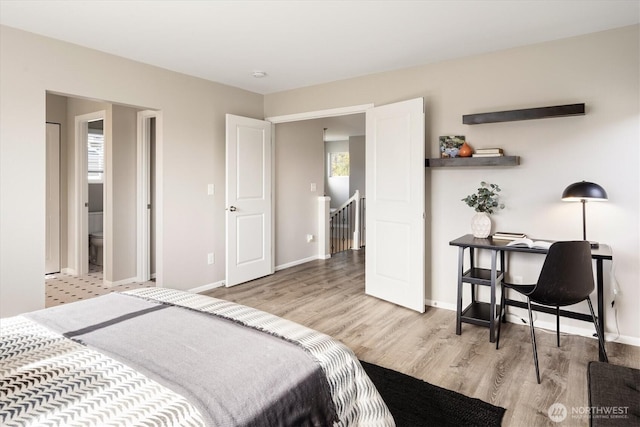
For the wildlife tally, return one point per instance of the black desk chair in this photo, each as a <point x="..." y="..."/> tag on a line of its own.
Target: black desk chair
<point x="566" y="279"/>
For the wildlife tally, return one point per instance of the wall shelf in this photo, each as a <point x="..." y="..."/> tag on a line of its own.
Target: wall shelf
<point x="526" y="114"/>
<point x="472" y="161"/>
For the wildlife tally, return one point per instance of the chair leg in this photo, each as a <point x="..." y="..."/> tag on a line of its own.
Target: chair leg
<point x="500" y="315"/>
<point x="533" y="341"/>
<point x="558" y="325"/>
<point x="600" y="338"/>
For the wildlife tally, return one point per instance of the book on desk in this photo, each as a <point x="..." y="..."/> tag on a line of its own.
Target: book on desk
<point x="507" y="235"/>
<point x="528" y="243"/>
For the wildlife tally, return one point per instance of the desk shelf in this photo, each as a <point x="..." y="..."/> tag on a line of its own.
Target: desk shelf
<point x="479" y="313"/>
<point x="481" y="276"/>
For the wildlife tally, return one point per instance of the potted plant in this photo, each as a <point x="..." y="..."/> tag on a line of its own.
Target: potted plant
<point x="484" y="202"/>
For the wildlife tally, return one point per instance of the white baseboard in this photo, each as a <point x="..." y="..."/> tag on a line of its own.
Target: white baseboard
<point x="109" y="284"/>
<point x="440" y="304"/>
<point x="574" y="330"/>
<point x="69" y="272"/>
<point x="205" y="288"/>
<point x="551" y="326"/>
<point x="298" y="262"/>
<point x="219" y="284"/>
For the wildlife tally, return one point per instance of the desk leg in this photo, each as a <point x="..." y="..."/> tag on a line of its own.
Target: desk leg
<point x="600" y="290"/>
<point x="472" y="265"/>
<point x="492" y="313"/>
<point x="460" y="271"/>
<point x="503" y="268"/>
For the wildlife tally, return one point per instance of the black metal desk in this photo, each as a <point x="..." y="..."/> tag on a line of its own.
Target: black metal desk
<point x="486" y="314"/>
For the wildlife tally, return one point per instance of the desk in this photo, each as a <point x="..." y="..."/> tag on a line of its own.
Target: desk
<point x="485" y="314"/>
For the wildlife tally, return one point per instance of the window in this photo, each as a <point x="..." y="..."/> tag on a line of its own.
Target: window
<point x="338" y="164"/>
<point x="95" y="155"/>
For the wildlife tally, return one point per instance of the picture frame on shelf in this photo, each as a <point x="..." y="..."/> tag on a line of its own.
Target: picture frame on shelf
<point x="450" y="145"/>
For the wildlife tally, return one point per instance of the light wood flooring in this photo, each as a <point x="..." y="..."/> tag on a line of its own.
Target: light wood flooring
<point x="328" y="296"/>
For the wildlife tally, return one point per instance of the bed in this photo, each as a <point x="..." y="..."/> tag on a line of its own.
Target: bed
<point x="164" y="357"/>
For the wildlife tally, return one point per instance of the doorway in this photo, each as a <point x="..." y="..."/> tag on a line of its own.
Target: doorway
<point x="106" y="184"/>
<point x="95" y="143"/>
<point x="78" y="117"/>
<point x="91" y="136"/>
<point x="396" y="213"/>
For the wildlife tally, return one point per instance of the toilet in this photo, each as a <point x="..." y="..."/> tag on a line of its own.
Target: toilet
<point x="95" y="238"/>
<point x="95" y="248"/>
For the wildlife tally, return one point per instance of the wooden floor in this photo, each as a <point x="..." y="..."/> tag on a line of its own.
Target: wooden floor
<point x="328" y="296"/>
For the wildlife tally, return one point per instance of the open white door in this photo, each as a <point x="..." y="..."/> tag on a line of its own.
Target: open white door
<point x="394" y="260"/>
<point x="52" y="237"/>
<point x="248" y="200"/>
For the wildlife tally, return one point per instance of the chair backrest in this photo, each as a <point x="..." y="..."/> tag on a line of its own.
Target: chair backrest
<point x="567" y="274"/>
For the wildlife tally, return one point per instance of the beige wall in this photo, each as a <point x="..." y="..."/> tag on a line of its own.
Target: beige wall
<point x="56" y="112"/>
<point x="600" y="70"/>
<point x="123" y="226"/>
<point x="299" y="150"/>
<point x="191" y="156"/>
<point x="357" y="166"/>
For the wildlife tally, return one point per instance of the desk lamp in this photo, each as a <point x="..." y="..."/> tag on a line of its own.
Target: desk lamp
<point x="582" y="192"/>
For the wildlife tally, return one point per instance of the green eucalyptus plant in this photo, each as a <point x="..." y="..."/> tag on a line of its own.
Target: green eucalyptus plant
<point x="485" y="199"/>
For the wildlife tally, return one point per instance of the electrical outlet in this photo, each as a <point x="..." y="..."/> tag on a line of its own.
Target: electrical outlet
<point x="210" y="258"/>
<point x="211" y="189"/>
<point x="313" y="186"/>
<point x="309" y="238"/>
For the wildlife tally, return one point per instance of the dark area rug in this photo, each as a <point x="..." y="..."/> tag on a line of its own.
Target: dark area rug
<point x="415" y="403"/>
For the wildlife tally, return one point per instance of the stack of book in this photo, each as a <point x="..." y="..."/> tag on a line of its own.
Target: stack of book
<point x="503" y="235"/>
<point x="488" y="152"/>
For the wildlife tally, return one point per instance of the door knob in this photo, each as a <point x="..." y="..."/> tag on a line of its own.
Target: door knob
<point x="233" y="208"/>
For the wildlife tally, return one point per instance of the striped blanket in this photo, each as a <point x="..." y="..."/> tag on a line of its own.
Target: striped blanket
<point x="47" y="379"/>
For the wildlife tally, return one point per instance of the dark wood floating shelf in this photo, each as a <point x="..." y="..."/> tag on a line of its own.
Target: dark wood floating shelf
<point x="526" y="114"/>
<point x="473" y="161"/>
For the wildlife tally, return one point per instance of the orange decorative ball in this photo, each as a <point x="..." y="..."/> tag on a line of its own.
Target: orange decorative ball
<point x="465" y="150"/>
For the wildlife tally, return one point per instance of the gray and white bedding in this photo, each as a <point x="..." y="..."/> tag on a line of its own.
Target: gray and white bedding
<point x="165" y="357"/>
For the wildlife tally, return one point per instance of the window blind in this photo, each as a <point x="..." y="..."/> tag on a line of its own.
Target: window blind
<point x="95" y="156"/>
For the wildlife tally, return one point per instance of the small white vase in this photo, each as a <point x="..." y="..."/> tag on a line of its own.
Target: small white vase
<point x="481" y="225"/>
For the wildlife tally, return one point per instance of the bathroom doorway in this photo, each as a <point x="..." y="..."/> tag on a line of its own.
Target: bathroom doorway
<point x="95" y="142"/>
<point x="99" y="193"/>
<point x="90" y="170"/>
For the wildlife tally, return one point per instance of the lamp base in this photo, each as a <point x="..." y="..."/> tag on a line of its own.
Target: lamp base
<point x="594" y="245"/>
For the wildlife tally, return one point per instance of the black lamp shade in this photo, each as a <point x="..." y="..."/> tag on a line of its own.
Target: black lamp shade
<point x="587" y="191"/>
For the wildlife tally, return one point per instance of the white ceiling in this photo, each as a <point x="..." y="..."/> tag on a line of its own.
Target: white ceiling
<point x="302" y="43"/>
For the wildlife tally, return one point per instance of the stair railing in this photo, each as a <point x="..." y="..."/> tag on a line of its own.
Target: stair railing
<point x="347" y="225"/>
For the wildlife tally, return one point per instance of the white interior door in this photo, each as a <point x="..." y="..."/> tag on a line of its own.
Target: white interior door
<point x="52" y="236"/>
<point x="395" y="174"/>
<point x="248" y="200"/>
